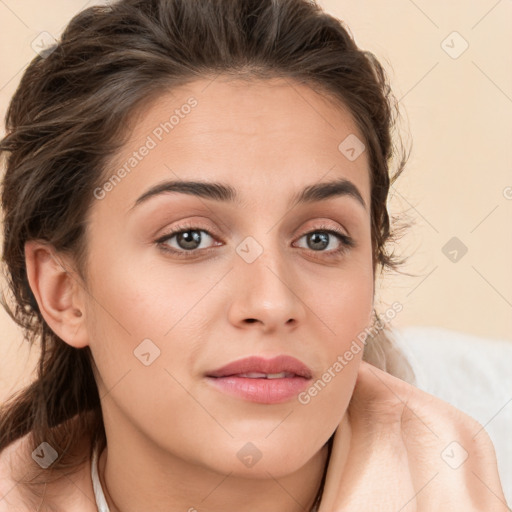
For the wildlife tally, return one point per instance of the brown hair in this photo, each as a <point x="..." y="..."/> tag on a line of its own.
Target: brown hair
<point x="71" y="112"/>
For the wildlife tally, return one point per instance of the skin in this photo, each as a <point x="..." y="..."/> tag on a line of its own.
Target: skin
<point x="172" y="438"/>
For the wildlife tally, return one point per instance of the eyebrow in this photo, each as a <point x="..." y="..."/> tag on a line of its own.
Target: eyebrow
<point x="226" y="193"/>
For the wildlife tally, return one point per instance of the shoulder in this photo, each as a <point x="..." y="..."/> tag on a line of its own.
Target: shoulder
<point x="10" y="495"/>
<point x="70" y="494"/>
<point x="408" y="448"/>
<point x="432" y="435"/>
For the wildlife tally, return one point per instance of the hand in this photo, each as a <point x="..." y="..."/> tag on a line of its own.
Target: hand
<point x="412" y="452"/>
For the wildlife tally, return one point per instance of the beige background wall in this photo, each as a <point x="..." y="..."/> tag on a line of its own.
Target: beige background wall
<point x="457" y="106"/>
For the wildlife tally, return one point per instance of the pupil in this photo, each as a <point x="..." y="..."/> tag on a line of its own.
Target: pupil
<point x="189" y="239"/>
<point x="322" y="237"/>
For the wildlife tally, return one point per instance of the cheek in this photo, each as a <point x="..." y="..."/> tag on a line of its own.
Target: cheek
<point x="342" y="307"/>
<point x="346" y="312"/>
<point x="143" y="319"/>
<point x="346" y="301"/>
<point x="341" y="300"/>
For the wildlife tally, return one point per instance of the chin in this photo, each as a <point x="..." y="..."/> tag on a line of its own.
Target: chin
<point x="261" y="459"/>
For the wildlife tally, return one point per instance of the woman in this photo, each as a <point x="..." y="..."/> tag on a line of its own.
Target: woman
<point x="195" y="213"/>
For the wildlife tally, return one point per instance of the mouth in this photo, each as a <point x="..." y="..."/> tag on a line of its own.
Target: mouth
<point x="256" y="375"/>
<point x="256" y="367"/>
<point x="266" y="381"/>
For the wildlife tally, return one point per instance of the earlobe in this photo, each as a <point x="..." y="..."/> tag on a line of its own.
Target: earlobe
<point x="57" y="291"/>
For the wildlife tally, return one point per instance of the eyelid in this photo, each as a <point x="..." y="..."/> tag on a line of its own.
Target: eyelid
<point x="183" y="226"/>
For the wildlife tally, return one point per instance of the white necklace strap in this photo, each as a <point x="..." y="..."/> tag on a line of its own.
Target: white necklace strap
<point x="101" y="502"/>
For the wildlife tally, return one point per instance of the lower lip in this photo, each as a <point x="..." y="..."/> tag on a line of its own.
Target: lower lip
<point x="263" y="391"/>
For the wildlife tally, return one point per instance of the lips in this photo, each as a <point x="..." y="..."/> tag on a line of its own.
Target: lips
<point x="258" y="367"/>
<point x="264" y="381"/>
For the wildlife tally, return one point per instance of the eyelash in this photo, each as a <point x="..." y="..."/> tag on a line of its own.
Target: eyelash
<point x="347" y="242"/>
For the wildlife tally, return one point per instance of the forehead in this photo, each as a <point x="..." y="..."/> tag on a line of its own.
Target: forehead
<point x="249" y="133"/>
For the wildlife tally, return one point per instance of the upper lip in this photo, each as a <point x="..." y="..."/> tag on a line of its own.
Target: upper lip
<point x="282" y="363"/>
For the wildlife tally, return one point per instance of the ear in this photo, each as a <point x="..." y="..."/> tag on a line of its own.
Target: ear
<point x="58" y="292"/>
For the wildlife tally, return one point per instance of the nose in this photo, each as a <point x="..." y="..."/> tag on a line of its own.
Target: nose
<point x="266" y="292"/>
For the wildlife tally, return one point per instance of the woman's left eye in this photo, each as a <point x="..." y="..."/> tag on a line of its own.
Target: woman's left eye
<point x="185" y="240"/>
<point x="320" y="239"/>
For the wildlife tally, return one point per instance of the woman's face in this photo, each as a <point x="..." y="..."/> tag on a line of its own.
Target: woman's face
<point x="243" y="279"/>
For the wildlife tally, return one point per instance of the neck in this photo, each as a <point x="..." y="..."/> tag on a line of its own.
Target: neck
<point x="210" y="492"/>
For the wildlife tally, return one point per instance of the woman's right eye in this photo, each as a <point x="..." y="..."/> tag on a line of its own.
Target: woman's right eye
<point x="184" y="239"/>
